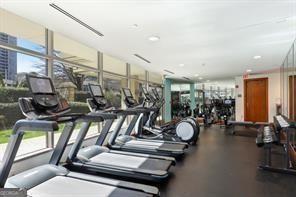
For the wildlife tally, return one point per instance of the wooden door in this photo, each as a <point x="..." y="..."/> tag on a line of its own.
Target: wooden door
<point x="256" y="100"/>
<point x="292" y="97"/>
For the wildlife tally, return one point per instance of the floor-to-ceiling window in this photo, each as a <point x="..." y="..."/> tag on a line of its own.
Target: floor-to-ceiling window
<point x="137" y="81"/>
<point x="74" y="67"/>
<point x="22" y="51"/>
<point x="27" y="47"/>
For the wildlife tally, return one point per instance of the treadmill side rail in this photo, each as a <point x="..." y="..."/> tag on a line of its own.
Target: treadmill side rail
<point x="19" y="129"/>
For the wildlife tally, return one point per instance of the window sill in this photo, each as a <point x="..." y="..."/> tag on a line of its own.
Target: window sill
<point x="46" y="150"/>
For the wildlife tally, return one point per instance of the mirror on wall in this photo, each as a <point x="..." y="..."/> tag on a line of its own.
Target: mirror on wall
<point x="288" y="84"/>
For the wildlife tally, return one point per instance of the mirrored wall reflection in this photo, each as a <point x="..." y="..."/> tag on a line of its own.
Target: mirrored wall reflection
<point x="288" y="85"/>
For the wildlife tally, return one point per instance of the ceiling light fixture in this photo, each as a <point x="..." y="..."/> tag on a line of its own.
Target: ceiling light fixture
<point x="256" y="57"/>
<point x="200" y="78"/>
<point x="181" y="65"/>
<point x="154" y="38"/>
<point x="196" y="75"/>
<point x="248" y="70"/>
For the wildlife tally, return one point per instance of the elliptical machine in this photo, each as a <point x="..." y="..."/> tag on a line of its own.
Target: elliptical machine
<point x="184" y="130"/>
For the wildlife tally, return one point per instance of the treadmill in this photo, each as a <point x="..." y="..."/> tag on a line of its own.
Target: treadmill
<point x="121" y="139"/>
<point x="44" y="112"/>
<point x="98" y="158"/>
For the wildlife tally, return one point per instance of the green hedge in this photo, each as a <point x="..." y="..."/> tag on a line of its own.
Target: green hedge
<point x="81" y="96"/>
<point x="10" y="95"/>
<point x="79" y="107"/>
<point x="12" y="113"/>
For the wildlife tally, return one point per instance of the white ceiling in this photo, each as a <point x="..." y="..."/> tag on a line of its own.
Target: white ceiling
<point x="223" y="35"/>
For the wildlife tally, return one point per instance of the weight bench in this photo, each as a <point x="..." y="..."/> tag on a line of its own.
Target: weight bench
<point x="246" y="124"/>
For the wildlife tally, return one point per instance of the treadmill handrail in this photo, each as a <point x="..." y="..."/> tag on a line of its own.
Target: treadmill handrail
<point x="18" y="131"/>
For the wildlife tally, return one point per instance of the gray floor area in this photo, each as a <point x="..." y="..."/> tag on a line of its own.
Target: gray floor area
<point x="225" y="165"/>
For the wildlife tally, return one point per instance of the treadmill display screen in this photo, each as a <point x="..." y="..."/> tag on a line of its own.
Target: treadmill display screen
<point x="227" y="102"/>
<point x="96" y="90"/>
<point x="127" y="92"/>
<point x="41" y="85"/>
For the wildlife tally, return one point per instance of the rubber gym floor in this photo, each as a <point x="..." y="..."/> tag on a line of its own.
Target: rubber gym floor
<point x="225" y="165"/>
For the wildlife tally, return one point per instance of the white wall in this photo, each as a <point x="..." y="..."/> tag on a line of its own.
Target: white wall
<point x="274" y="94"/>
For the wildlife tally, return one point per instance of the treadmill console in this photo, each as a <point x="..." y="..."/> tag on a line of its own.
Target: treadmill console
<point x="44" y="101"/>
<point x="129" y="100"/>
<point x="155" y="93"/>
<point x="98" y="101"/>
<point x="148" y="96"/>
<point x="228" y="102"/>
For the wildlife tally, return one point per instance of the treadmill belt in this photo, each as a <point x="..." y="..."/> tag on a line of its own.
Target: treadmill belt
<point x="143" y="143"/>
<point x="69" y="187"/>
<point x="173" y="147"/>
<point x="156" y="145"/>
<point x="131" y="161"/>
<point x="119" y="160"/>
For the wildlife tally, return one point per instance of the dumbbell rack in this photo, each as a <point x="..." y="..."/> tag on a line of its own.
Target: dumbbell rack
<point x="282" y="124"/>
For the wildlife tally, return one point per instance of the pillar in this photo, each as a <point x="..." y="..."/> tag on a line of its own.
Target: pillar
<point x="167" y="97"/>
<point x="192" y="97"/>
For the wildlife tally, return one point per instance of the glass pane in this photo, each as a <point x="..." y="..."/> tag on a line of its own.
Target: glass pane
<point x="13" y="69"/>
<point x="73" y="51"/>
<point x="137" y="90"/>
<point x="137" y="72"/>
<point x="155" y="78"/>
<point x="113" y="92"/>
<point x="114" y="65"/>
<point x="71" y="83"/>
<point x="18" y="31"/>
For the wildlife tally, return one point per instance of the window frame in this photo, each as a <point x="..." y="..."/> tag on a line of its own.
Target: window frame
<point x="49" y="58"/>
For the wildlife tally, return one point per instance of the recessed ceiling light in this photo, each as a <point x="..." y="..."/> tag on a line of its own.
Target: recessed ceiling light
<point x="248" y="70"/>
<point x="181" y="65"/>
<point x="196" y="75"/>
<point x="154" y="38"/>
<point x="208" y="80"/>
<point x="256" y="57"/>
<point x="200" y="78"/>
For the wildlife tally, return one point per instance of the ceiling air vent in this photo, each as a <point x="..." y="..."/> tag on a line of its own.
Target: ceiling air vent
<point x="168" y="71"/>
<point x="75" y="19"/>
<point x="142" y="58"/>
<point x="186" y="78"/>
